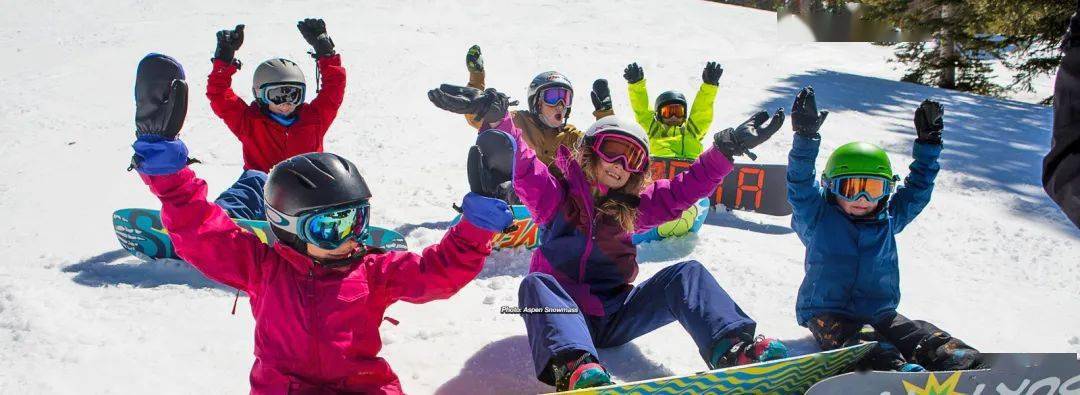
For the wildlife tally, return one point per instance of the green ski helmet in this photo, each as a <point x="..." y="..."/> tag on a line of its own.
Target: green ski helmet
<point x="858" y="158"/>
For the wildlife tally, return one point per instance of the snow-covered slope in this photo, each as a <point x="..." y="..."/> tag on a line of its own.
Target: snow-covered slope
<point x="990" y="259"/>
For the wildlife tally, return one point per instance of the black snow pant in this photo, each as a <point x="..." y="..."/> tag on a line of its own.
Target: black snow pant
<point x="900" y="341"/>
<point x="1061" y="167"/>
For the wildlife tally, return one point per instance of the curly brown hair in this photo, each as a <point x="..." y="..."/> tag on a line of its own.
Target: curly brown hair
<point x="624" y="214"/>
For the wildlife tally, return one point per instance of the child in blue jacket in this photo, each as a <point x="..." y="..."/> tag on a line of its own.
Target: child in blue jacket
<point x="848" y="224"/>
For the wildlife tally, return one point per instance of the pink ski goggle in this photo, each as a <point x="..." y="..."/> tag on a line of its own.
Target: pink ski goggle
<point x="554" y="95"/>
<point x="615" y="147"/>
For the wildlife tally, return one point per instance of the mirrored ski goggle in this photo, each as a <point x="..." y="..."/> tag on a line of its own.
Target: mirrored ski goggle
<point x="554" y="95"/>
<point x="281" y="94"/>
<point x="851" y="188"/>
<point x="673" y="110"/>
<point x="615" y="147"/>
<point x="327" y="228"/>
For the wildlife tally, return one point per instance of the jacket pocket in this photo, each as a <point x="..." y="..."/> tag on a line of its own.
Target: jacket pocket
<point x="352" y="289"/>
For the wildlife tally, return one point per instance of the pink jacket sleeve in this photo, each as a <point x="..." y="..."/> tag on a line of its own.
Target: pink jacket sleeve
<point x="440" y="270"/>
<point x="534" y="184"/>
<point x="665" y="200"/>
<point x="225" y="103"/>
<point x="332" y="93"/>
<point x="203" y="233"/>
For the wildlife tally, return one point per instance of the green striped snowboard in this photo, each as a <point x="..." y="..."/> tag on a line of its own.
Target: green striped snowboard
<point x="793" y="375"/>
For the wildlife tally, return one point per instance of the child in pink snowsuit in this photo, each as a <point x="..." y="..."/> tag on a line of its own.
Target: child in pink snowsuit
<point x="318" y="295"/>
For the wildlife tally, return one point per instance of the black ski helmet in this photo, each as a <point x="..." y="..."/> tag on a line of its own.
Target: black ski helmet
<point x="543" y="81"/>
<point x="308" y="182"/>
<point x="668" y="98"/>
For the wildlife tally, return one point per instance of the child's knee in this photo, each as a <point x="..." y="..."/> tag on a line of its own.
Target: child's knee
<point x="532" y="282"/>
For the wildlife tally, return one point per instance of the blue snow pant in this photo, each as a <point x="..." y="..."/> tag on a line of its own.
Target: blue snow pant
<point x="244" y="199"/>
<point x="685" y="292"/>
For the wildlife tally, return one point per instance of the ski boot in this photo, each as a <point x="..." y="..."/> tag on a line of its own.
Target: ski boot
<point x="733" y="352"/>
<point x="581" y="372"/>
<point x="911" y="367"/>
<point x="940" y="351"/>
<point x="885" y="357"/>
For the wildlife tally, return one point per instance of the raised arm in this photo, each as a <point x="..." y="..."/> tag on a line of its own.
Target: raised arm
<point x="664" y="200"/>
<point x="701" y="111"/>
<point x="201" y="231"/>
<point x="474" y="62"/>
<point x="639" y="96"/>
<point x="223" y="101"/>
<point x="440" y="270"/>
<point x="329" y="99"/>
<point x="537" y="188"/>
<point x="533" y="182"/>
<point x="803" y="192"/>
<point x="329" y="62"/>
<point x="910" y="199"/>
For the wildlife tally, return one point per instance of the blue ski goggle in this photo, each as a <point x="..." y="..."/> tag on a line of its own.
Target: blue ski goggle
<point x="851" y="188"/>
<point x="326" y="228"/>
<point x="282" y="93"/>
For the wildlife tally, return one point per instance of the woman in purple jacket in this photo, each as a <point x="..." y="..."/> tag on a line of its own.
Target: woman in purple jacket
<point x="579" y="293"/>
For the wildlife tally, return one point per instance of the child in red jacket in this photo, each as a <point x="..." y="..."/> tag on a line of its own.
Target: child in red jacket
<point x="277" y="124"/>
<point x="318" y="295"/>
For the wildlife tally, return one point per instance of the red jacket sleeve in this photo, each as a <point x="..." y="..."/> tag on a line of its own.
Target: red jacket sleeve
<point x="331" y="95"/>
<point x="203" y="233"/>
<point x="229" y="107"/>
<point x="440" y="271"/>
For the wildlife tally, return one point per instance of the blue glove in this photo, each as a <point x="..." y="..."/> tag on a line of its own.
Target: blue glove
<point x="487" y="213"/>
<point x="155" y="156"/>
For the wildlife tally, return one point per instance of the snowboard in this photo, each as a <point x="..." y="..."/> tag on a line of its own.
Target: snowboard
<point x="749" y="187"/>
<point x="791" y="375"/>
<point x="525" y="235"/>
<point x="1008" y="374"/>
<point x="690" y="222"/>
<point x="141" y="233"/>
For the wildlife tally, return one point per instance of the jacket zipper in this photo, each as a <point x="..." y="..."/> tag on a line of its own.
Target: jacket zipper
<point x="588" y="247"/>
<point x="313" y="320"/>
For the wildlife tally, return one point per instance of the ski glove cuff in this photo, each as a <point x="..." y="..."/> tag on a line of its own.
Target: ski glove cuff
<point x="156" y="156"/>
<point x="487" y="213"/>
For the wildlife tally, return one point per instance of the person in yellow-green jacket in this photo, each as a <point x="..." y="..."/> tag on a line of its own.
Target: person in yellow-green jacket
<point x="672" y="134"/>
<point x="544" y="124"/>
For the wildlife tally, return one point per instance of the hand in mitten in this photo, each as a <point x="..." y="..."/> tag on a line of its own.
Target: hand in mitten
<point x="750" y="134"/>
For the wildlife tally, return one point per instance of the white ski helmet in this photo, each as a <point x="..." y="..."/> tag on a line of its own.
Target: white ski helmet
<point x="275" y="72"/>
<point x="612" y="124"/>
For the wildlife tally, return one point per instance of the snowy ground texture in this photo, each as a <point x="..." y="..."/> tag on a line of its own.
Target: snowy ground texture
<point x="990" y="259"/>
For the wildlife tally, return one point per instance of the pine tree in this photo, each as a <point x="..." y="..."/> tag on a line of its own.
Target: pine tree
<point x="969" y="35"/>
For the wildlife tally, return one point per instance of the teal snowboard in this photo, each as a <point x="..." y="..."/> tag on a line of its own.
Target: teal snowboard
<point x="141" y="233"/>
<point x="792" y="375"/>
